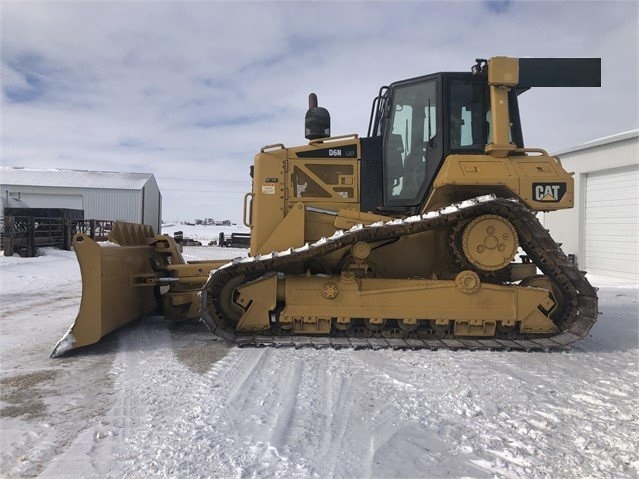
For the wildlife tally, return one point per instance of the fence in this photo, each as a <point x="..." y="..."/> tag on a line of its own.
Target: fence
<point x="27" y="229"/>
<point x="96" y="229"/>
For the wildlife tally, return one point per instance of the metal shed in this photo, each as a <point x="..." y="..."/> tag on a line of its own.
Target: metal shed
<point x="104" y="195"/>
<point x="602" y="231"/>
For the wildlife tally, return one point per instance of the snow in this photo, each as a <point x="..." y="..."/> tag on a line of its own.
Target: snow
<point x="163" y="400"/>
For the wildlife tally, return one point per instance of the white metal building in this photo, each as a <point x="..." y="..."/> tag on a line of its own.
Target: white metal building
<point x="603" y="228"/>
<point x="103" y="195"/>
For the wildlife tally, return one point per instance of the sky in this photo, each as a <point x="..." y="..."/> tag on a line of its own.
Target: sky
<point x="190" y="91"/>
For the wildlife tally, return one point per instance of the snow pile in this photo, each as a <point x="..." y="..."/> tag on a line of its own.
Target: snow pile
<point x="170" y="401"/>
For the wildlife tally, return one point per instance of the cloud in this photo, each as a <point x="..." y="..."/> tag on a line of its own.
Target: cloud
<point x="25" y="79"/>
<point x="194" y="89"/>
<point x="498" y="6"/>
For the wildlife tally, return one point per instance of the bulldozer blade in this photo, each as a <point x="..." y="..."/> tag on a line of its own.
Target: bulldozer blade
<point x="109" y="297"/>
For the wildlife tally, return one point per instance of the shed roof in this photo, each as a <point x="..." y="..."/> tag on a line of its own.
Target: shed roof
<point x="115" y="180"/>
<point x="600" y="141"/>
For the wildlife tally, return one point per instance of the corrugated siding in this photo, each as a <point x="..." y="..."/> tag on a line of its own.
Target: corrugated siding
<point x="39" y="189"/>
<point x="123" y="205"/>
<point x="103" y="204"/>
<point x="71" y="178"/>
<point x="105" y="195"/>
<point x="51" y="200"/>
<point x="152" y="205"/>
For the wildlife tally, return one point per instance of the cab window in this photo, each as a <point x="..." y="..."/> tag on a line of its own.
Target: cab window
<point x="412" y="124"/>
<point x="469" y="115"/>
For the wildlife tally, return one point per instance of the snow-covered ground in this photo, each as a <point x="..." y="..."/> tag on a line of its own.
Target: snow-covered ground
<point x="154" y="400"/>
<point x="203" y="233"/>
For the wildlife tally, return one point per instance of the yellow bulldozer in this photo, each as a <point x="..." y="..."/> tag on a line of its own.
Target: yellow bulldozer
<point x="423" y="234"/>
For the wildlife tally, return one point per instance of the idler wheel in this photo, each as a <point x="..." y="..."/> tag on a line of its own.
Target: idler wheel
<point x="231" y="311"/>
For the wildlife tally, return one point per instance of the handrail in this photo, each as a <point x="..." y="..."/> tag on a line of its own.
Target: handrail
<point x="532" y="150"/>
<point x="279" y="146"/>
<point x="249" y="223"/>
<point x="333" y="138"/>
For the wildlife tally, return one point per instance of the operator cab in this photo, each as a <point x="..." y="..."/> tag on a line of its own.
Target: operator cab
<point x="415" y="124"/>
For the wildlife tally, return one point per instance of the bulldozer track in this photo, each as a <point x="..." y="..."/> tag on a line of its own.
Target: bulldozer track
<point x="580" y="300"/>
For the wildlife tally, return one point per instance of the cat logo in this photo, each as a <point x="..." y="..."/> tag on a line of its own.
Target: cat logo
<point x="548" y="192"/>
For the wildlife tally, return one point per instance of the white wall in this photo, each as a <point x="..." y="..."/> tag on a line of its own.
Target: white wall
<point x="567" y="226"/>
<point x="123" y="205"/>
<point x="152" y="205"/>
<point x="52" y="200"/>
<point x="100" y="204"/>
<point x="136" y="206"/>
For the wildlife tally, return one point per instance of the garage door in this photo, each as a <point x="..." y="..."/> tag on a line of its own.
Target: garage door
<point x="612" y="227"/>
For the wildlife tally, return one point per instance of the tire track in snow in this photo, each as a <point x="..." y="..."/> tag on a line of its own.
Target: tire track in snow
<point x="286" y="406"/>
<point x="30" y="323"/>
<point x="111" y="445"/>
<point x="333" y="418"/>
<point x="289" y="419"/>
<point x="336" y="405"/>
<point x="263" y="423"/>
<point x="308" y="413"/>
<point x="246" y="377"/>
<point x="30" y="304"/>
<point x="548" y="419"/>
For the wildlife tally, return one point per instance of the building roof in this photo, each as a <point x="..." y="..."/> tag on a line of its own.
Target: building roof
<point x="10" y="175"/>
<point x="600" y="141"/>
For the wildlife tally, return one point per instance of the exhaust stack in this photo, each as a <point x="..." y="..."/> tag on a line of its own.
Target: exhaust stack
<point x="317" y="121"/>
